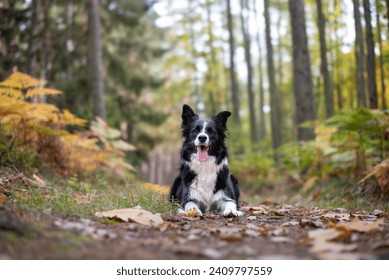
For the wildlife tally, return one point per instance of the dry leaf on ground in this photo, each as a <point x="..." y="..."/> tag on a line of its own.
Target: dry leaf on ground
<point x="139" y="216"/>
<point x="322" y="244"/>
<point x="337" y="216"/>
<point x="360" y="226"/>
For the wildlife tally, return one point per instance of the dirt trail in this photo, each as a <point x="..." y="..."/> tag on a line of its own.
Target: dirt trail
<point x="264" y="232"/>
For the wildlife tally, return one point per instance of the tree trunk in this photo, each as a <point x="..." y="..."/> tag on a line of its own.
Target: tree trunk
<point x="328" y="92"/>
<point x="250" y="89"/>
<point x="275" y="113"/>
<point x="69" y="39"/>
<point x="302" y="77"/>
<point x="47" y="43"/>
<point x="33" y="39"/>
<point x="338" y="61"/>
<point x="387" y="14"/>
<point x="234" y="83"/>
<point x="212" y="76"/>
<point x="381" y="60"/>
<point x="359" y="56"/>
<point x="370" y="58"/>
<point x="96" y="59"/>
<point x="262" y="126"/>
<point x="192" y="37"/>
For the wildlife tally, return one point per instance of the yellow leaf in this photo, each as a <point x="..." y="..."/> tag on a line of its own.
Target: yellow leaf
<point x="39" y="112"/>
<point x="157" y="188"/>
<point x="42" y="91"/>
<point x="12" y="92"/>
<point x="70" y="119"/>
<point x="11" y="106"/>
<point x="21" y="81"/>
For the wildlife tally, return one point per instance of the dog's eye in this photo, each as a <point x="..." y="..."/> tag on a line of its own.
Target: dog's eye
<point x="210" y="131"/>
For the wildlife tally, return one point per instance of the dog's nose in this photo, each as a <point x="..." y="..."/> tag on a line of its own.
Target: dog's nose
<point x="202" y="138"/>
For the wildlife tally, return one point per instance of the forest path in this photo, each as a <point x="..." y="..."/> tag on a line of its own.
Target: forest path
<point x="264" y="232"/>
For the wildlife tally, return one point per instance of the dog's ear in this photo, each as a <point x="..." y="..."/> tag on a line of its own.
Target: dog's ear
<point x="188" y="115"/>
<point x="221" y="118"/>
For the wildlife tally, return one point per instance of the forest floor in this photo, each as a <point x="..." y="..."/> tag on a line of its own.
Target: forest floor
<point x="266" y="231"/>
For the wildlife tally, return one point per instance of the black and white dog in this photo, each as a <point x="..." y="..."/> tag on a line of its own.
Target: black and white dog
<point x="204" y="183"/>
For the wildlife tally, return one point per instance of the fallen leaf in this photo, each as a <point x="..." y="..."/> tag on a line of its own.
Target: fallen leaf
<point x="2" y="199"/>
<point x="255" y="210"/>
<point x="321" y="240"/>
<point x="281" y="239"/>
<point x="139" y="216"/>
<point x="38" y="181"/>
<point x="378" y="213"/>
<point x="267" y="203"/>
<point x="276" y="212"/>
<point x="229" y="234"/>
<point x="310" y="183"/>
<point x="382" y="175"/>
<point x="337" y="216"/>
<point x="360" y="226"/>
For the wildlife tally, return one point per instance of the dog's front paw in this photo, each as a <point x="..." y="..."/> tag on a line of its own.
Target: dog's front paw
<point x="231" y="211"/>
<point x="191" y="210"/>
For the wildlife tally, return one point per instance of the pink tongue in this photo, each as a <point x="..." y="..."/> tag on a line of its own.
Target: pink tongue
<point x="202" y="155"/>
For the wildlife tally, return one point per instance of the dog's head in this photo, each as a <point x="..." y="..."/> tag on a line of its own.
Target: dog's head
<point x="204" y="135"/>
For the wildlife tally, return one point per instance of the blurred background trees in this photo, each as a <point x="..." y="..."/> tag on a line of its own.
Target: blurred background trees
<point x="284" y="76"/>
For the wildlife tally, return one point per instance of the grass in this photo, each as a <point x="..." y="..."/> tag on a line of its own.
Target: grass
<point x="81" y="198"/>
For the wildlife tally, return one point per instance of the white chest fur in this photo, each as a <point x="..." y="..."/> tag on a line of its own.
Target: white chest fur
<point x="203" y="185"/>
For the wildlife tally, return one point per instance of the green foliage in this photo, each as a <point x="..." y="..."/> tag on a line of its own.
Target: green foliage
<point x="253" y="170"/>
<point x="359" y="139"/>
<point x="301" y="158"/>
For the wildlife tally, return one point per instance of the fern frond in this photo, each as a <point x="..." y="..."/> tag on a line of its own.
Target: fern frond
<point x="12" y="106"/>
<point x="70" y="119"/>
<point x="42" y="112"/>
<point x="21" y="81"/>
<point x="12" y="92"/>
<point x="42" y="91"/>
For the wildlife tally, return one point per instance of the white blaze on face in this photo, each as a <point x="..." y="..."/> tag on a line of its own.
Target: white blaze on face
<point x="202" y="147"/>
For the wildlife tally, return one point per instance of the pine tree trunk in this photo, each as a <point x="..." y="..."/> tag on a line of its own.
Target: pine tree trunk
<point x="370" y="59"/>
<point x="262" y="126"/>
<point x="234" y="83"/>
<point x="328" y="92"/>
<point x="32" y="50"/>
<point x="275" y="113"/>
<point x="196" y="88"/>
<point x="47" y="43"/>
<point x="381" y="60"/>
<point x="359" y="56"/>
<point x="250" y="89"/>
<point x="338" y="63"/>
<point x="69" y="38"/>
<point x="96" y="59"/>
<point x="387" y="14"/>
<point x="212" y="73"/>
<point x="302" y="77"/>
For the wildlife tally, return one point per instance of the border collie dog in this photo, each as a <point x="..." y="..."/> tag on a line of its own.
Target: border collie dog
<point x="204" y="183"/>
